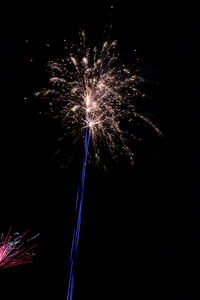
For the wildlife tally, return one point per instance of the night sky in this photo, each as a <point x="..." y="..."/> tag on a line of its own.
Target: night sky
<point x="140" y="236"/>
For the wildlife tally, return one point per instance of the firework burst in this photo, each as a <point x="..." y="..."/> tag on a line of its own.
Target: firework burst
<point x="91" y="88"/>
<point x="94" y="94"/>
<point x="14" y="250"/>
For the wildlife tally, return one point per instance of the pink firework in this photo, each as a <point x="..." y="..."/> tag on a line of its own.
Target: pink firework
<point x="14" y="250"/>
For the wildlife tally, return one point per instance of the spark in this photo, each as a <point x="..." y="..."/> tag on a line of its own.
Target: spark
<point x="13" y="249"/>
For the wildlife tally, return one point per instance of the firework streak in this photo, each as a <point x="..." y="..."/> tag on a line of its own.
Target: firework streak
<point x="78" y="213"/>
<point x="13" y="250"/>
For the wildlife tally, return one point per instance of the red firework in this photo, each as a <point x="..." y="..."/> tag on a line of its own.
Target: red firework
<point x="14" y="251"/>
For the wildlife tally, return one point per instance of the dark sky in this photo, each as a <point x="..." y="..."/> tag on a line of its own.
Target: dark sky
<point x="140" y="235"/>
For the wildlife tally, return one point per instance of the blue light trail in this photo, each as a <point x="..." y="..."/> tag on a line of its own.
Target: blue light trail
<point x="78" y="215"/>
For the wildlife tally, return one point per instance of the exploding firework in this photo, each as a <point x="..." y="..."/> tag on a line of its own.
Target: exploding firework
<point x="14" y="250"/>
<point x="91" y="88"/>
<point x="94" y="94"/>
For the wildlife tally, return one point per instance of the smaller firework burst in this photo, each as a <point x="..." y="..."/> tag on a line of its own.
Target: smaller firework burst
<point x="14" y="250"/>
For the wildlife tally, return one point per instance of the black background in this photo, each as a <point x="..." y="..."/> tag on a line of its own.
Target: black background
<point x="140" y="235"/>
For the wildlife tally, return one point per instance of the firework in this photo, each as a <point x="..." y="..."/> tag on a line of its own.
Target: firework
<point x="93" y="82"/>
<point x="95" y="95"/>
<point x="14" y="250"/>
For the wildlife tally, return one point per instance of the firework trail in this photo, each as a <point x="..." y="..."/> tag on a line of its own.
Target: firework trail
<point x="14" y="251"/>
<point x="78" y="213"/>
<point x="94" y="95"/>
